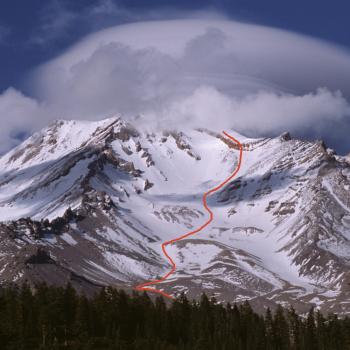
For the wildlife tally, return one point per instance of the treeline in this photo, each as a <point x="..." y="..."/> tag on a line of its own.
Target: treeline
<point x="57" y="318"/>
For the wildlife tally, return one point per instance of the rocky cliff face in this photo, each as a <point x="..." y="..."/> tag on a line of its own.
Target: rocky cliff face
<point x="91" y="203"/>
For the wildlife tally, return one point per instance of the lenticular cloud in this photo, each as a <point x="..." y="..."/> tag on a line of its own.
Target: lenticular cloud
<point x="184" y="73"/>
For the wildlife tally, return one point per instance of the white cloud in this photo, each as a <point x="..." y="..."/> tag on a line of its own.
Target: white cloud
<point x="212" y="73"/>
<point x="19" y="115"/>
<point x="226" y="49"/>
<point x="263" y="112"/>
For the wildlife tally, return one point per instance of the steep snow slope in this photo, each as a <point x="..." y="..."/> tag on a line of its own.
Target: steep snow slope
<point x="91" y="203"/>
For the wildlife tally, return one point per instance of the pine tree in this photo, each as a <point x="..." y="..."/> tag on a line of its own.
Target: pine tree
<point x="310" y="331"/>
<point x="295" y="330"/>
<point x="269" y="330"/>
<point x="281" y="330"/>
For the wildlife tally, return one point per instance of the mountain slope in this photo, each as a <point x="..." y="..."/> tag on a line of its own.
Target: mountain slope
<point x="91" y="203"/>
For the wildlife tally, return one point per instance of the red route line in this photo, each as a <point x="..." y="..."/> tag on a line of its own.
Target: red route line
<point x="145" y="286"/>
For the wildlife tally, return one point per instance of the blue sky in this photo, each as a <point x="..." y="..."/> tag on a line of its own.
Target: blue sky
<point x="309" y="72"/>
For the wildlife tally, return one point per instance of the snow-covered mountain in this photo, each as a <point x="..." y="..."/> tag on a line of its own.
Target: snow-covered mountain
<point x="91" y="203"/>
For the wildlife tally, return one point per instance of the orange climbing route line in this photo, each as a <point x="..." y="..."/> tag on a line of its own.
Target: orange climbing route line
<point x="146" y="286"/>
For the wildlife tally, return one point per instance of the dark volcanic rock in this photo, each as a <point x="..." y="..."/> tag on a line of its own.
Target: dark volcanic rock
<point x="40" y="257"/>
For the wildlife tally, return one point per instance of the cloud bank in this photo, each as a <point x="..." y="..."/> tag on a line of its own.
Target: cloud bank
<point x="189" y="73"/>
<point x="260" y="113"/>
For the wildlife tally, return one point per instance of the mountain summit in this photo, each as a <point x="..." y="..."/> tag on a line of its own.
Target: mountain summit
<point x="91" y="202"/>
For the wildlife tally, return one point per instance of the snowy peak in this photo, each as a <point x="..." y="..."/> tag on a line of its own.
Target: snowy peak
<point x="93" y="201"/>
<point x="58" y="139"/>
